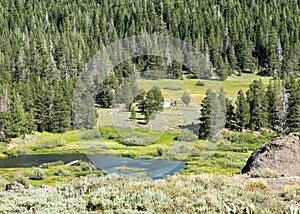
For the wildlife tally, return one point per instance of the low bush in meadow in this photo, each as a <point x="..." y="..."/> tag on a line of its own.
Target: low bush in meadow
<point x="138" y="140"/>
<point x="264" y="173"/>
<point x="37" y="174"/>
<point x="186" y="135"/>
<point x="91" y="135"/>
<point x="50" y="145"/>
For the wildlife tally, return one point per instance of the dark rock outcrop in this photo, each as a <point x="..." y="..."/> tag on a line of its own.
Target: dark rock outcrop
<point x="282" y="155"/>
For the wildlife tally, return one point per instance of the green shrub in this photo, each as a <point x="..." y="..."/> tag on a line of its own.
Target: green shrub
<point x="10" y="154"/>
<point x="50" y="145"/>
<point x="92" y="134"/>
<point x="37" y="174"/>
<point x="249" y="138"/>
<point x="291" y="192"/>
<point x="199" y="83"/>
<point x="138" y="141"/>
<point x="176" y="194"/>
<point x="21" y="178"/>
<point x="256" y="185"/>
<point x="113" y="136"/>
<point x="240" y="150"/>
<point x="186" y="135"/>
<point x="61" y="171"/>
<point x="172" y="88"/>
<point x="47" y="165"/>
<point x="84" y="166"/>
<point x="264" y="173"/>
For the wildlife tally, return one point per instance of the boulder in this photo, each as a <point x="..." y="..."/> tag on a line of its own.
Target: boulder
<point x="282" y="155"/>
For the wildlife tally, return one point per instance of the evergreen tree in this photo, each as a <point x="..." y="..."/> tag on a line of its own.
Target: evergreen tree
<point x="18" y="123"/>
<point x="258" y="105"/>
<point x="152" y="102"/>
<point x="278" y="106"/>
<point x="293" y="117"/>
<point x="205" y="115"/>
<point x="5" y="115"/>
<point x="84" y="114"/>
<point x="212" y="115"/>
<point x="242" y="111"/>
<point x="230" y="115"/>
<point x="61" y="114"/>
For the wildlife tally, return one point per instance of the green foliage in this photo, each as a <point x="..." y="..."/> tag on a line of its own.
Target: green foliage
<point x="113" y="136"/>
<point x="264" y="173"/>
<point x="205" y="117"/>
<point x="21" y="178"/>
<point x="50" y="145"/>
<point x="61" y="171"/>
<point x="91" y="135"/>
<point x="37" y="174"/>
<point x="47" y="165"/>
<point x="230" y="115"/>
<point x="186" y="194"/>
<point x="173" y="88"/>
<point x="242" y="111"/>
<point x="186" y="98"/>
<point x="40" y="62"/>
<point x="212" y="115"/>
<point x="258" y="103"/>
<point x="84" y="166"/>
<point x="249" y="138"/>
<point x="199" y="83"/>
<point x="293" y="117"/>
<point x="152" y="102"/>
<point x="186" y="135"/>
<point x="256" y="185"/>
<point x="291" y="193"/>
<point x="138" y="140"/>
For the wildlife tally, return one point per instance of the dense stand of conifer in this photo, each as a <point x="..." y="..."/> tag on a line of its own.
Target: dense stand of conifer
<point x="44" y="46"/>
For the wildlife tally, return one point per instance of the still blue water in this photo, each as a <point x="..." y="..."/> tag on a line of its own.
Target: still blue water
<point x="130" y="166"/>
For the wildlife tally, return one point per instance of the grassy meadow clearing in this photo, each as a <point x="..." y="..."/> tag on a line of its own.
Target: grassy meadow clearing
<point x="119" y="135"/>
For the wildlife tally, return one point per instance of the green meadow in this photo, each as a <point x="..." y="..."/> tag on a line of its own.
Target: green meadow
<point x="118" y="135"/>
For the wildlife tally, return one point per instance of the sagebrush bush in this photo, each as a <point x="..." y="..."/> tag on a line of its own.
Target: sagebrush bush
<point x="50" y="145"/>
<point x="113" y="136"/>
<point x="187" y="136"/>
<point x="84" y="166"/>
<point x="249" y="138"/>
<point x="173" y="88"/>
<point x="264" y="173"/>
<point x="291" y="193"/>
<point x="47" y="165"/>
<point x="138" y="141"/>
<point x="21" y="178"/>
<point x="37" y="174"/>
<point x="120" y="194"/>
<point x="91" y="135"/>
<point x="61" y="171"/>
<point x="256" y="185"/>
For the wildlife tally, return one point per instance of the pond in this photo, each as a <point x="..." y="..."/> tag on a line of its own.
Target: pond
<point x="150" y="168"/>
